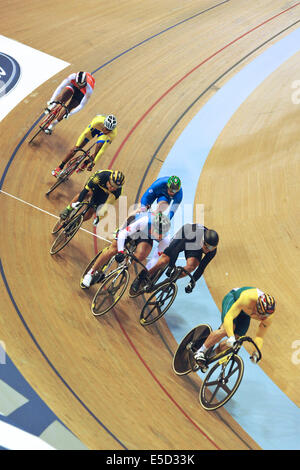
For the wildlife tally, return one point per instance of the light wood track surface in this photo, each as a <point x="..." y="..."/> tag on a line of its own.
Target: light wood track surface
<point x="109" y="380"/>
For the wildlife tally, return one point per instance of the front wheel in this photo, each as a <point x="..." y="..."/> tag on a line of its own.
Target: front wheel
<point x="66" y="235"/>
<point x="221" y="382"/>
<point x="158" y="303"/>
<point x="110" y="291"/>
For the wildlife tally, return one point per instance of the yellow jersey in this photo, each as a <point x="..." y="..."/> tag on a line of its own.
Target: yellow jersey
<point x="95" y="129"/>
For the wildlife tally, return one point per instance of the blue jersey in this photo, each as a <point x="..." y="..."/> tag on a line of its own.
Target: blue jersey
<point x="159" y="191"/>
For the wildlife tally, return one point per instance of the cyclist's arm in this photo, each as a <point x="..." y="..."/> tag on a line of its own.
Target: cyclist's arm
<point x="104" y="207"/>
<point x="203" y="263"/>
<point x="132" y="228"/>
<point x="262" y="329"/>
<point x="175" y="203"/>
<point x="153" y="192"/>
<point x="100" y="148"/>
<point x="60" y="88"/>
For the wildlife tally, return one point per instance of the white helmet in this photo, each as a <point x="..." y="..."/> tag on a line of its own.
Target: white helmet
<point x="110" y="122"/>
<point x="80" y="78"/>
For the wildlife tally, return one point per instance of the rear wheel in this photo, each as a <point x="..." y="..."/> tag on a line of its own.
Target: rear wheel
<point x="67" y="234"/>
<point x="158" y="303"/>
<point x="110" y="291"/>
<point x="221" y="382"/>
<point x="183" y="360"/>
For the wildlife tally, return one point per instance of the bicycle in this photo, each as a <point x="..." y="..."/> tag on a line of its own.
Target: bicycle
<point x="114" y="283"/>
<point x="163" y="296"/>
<point x="71" y="167"/>
<point x="49" y="118"/>
<point x="70" y="226"/>
<point x="224" y="378"/>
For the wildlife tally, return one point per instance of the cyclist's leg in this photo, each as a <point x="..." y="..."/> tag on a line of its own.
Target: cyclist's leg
<point x="192" y="262"/>
<point x="143" y="249"/>
<point x="95" y="274"/>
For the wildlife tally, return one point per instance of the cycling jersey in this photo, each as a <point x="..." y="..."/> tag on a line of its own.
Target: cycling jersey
<point x="190" y="240"/>
<point x="238" y="306"/>
<point x="159" y="191"/>
<point x="140" y="230"/>
<point x="97" y="183"/>
<point x="86" y="91"/>
<point x="95" y="129"/>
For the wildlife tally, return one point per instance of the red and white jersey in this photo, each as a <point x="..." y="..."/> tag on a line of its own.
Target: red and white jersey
<point x="70" y="82"/>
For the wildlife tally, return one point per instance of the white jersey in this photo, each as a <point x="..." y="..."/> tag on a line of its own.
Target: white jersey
<point x="142" y="225"/>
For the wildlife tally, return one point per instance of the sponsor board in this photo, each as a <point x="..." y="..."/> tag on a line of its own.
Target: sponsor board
<point x="22" y="70"/>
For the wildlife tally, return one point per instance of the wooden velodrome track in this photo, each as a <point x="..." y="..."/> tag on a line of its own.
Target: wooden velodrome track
<point x="109" y="380"/>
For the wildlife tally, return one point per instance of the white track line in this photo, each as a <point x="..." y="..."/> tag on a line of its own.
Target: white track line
<point x="48" y="213"/>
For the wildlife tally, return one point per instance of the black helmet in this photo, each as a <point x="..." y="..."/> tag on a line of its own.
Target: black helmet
<point x="211" y="238"/>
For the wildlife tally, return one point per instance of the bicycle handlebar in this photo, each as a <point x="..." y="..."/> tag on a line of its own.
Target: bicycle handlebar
<point x="62" y="104"/>
<point x="242" y="339"/>
<point x="179" y="270"/>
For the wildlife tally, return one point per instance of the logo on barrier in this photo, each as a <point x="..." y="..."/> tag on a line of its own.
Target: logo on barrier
<point x="10" y="72"/>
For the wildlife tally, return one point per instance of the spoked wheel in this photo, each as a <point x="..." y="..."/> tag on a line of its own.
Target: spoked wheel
<point x="67" y="234"/>
<point x="158" y="303"/>
<point x="110" y="291"/>
<point x="221" y="382"/>
<point x="183" y="360"/>
<point x="58" y="226"/>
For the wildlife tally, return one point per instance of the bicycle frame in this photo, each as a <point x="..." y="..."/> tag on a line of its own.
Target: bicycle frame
<point x="225" y="356"/>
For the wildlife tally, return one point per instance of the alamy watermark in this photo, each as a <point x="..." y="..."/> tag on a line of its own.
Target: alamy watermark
<point x="296" y="94"/>
<point x="296" y="354"/>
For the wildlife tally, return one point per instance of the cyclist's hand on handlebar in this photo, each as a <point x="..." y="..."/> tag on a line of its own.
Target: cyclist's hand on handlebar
<point x="189" y="288"/>
<point x="120" y="257"/>
<point x="231" y="341"/>
<point x="170" y="271"/>
<point x="66" y="115"/>
<point x="254" y="358"/>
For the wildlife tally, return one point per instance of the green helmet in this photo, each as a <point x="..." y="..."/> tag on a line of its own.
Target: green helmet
<point x="174" y="184"/>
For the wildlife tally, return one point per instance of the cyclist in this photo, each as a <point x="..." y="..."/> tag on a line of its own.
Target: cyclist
<point x="199" y="245"/>
<point x="104" y="187"/>
<point x="76" y="89"/>
<point x="166" y="191"/>
<point x="239" y="306"/>
<point x="144" y="230"/>
<point x="104" y="128"/>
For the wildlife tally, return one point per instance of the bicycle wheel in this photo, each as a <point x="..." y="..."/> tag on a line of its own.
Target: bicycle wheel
<point x="110" y="291"/>
<point x="67" y="234"/>
<point x="158" y="303"/>
<point x="47" y="120"/>
<point x="59" y="225"/>
<point x="133" y="293"/>
<point x="221" y="382"/>
<point x="72" y="165"/>
<point x="183" y="359"/>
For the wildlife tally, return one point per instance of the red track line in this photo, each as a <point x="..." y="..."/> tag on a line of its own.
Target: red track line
<point x="163" y="388"/>
<point x="114" y="159"/>
<point x="189" y="73"/>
